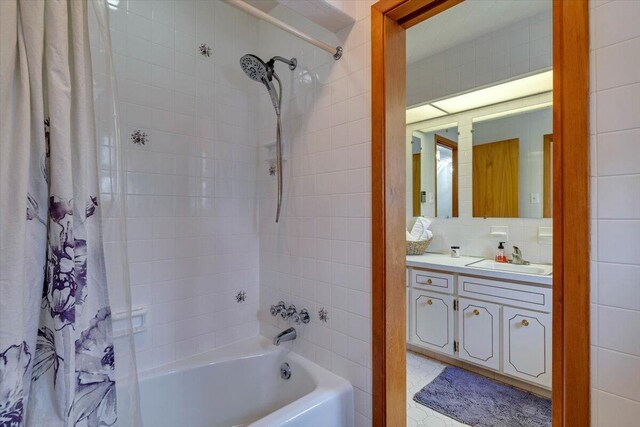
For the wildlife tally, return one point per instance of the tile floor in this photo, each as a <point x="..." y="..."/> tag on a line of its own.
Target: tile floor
<point x="420" y="371"/>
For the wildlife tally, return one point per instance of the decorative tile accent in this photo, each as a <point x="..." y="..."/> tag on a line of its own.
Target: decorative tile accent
<point x="323" y="314"/>
<point x="241" y="296"/>
<point x="138" y="137"/>
<point x="205" y="50"/>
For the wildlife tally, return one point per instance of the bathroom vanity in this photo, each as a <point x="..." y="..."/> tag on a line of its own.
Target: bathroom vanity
<point x="497" y="317"/>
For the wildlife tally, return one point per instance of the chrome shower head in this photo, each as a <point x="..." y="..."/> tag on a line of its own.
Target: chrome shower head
<point x="255" y="68"/>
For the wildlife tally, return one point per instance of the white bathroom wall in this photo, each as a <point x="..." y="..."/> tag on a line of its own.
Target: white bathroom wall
<point x="615" y="229"/>
<point x="191" y="206"/>
<point x="318" y="256"/>
<point x="521" y="48"/>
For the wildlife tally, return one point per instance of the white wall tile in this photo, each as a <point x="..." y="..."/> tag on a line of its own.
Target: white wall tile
<point x="619" y="373"/>
<point x="176" y="210"/>
<point x="615" y="89"/>
<point x="615" y="410"/>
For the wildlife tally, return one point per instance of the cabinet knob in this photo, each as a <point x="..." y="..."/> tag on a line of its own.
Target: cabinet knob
<point x="525" y="322"/>
<point x="429" y="281"/>
<point x="429" y="302"/>
<point x="476" y="312"/>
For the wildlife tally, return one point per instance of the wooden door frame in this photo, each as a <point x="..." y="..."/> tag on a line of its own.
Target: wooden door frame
<point x="547" y="176"/>
<point x="416" y="184"/>
<point x="444" y="142"/>
<point x="571" y="372"/>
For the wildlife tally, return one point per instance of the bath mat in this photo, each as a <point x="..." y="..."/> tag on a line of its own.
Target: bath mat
<point x="481" y="402"/>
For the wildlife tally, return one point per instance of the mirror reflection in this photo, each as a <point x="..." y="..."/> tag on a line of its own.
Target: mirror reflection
<point x="434" y="164"/>
<point x="512" y="165"/>
<point x="492" y="81"/>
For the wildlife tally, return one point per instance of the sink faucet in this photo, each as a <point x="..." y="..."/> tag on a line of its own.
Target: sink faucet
<point x="517" y="257"/>
<point x="286" y="335"/>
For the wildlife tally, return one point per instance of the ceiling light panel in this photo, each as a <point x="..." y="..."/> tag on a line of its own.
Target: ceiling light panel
<point x="423" y="112"/>
<point x="526" y="86"/>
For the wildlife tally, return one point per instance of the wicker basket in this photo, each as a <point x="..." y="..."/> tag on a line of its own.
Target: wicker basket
<point x="418" y="248"/>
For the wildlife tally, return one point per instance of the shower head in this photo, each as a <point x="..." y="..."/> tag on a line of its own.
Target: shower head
<point x="255" y="68"/>
<point x="260" y="71"/>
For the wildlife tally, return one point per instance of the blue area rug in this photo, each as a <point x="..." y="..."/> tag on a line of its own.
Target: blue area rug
<point x="481" y="402"/>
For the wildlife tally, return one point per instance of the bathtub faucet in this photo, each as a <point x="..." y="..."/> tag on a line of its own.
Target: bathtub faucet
<point x="286" y="335"/>
<point x="290" y="313"/>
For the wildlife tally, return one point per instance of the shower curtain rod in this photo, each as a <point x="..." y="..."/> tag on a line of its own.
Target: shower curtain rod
<point x="335" y="51"/>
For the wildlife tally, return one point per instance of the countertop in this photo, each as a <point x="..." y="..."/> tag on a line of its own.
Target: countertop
<point x="459" y="265"/>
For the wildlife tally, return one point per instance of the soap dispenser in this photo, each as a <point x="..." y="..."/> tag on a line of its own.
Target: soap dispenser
<point x="501" y="256"/>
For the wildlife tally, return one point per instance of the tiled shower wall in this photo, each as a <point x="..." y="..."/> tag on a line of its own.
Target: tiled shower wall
<point x="318" y="256"/>
<point x="191" y="206"/>
<point x="615" y="227"/>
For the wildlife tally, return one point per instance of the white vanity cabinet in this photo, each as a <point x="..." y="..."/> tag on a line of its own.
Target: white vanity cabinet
<point x="479" y="332"/>
<point x="501" y="324"/>
<point x="527" y="345"/>
<point x="432" y="320"/>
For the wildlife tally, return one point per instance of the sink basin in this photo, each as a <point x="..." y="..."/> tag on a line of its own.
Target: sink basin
<point x="539" y="269"/>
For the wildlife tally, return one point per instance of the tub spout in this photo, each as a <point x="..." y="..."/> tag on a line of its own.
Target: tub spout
<point x="286" y="335"/>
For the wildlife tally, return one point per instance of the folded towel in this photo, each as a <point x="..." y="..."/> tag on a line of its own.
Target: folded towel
<point x="420" y="229"/>
<point x="410" y="238"/>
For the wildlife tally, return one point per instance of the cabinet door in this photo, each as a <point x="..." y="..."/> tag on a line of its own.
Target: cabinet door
<point x="408" y="299"/>
<point x="432" y="321"/>
<point x="479" y="332"/>
<point x="527" y="345"/>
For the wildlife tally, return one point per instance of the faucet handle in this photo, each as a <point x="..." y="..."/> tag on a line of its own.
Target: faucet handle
<point x="290" y="312"/>
<point x="278" y="309"/>
<point x="296" y="318"/>
<point x="304" y="316"/>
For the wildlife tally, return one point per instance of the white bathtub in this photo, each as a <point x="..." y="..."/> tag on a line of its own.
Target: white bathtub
<point x="240" y="385"/>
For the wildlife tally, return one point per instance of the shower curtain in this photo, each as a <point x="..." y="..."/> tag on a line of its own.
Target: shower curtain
<point x="57" y="364"/>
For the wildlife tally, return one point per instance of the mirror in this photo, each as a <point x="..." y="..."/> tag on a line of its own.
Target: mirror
<point x="492" y="82"/>
<point x="511" y="175"/>
<point x="434" y="164"/>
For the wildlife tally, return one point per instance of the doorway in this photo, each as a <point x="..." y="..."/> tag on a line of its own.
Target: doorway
<point x="390" y="18"/>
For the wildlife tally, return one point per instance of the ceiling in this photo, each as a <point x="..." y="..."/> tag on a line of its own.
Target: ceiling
<point x="515" y="89"/>
<point x="467" y="21"/>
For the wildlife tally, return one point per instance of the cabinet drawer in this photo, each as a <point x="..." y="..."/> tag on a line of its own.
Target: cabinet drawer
<point x="527" y="345"/>
<point x="479" y="332"/>
<point x="432" y="321"/>
<point x="515" y="294"/>
<point x="440" y="282"/>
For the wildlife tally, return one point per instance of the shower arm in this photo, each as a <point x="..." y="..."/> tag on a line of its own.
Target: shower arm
<point x="292" y="63"/>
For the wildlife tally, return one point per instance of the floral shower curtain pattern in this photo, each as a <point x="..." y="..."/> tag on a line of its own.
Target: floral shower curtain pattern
<point x="56" y="348"/>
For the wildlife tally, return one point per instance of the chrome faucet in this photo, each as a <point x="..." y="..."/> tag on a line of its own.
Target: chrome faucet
<point x="517" y="257"/>
<point x="284" y="336"/>
<point x="290" y="313"/>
